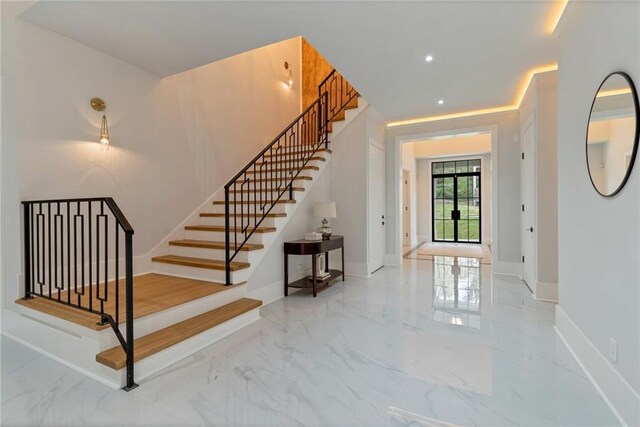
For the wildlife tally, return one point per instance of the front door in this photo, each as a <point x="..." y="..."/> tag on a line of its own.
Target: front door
<point x="456" y="201"/>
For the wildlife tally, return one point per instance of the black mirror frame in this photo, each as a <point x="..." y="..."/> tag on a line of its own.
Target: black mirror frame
<point x="634" y="151"/>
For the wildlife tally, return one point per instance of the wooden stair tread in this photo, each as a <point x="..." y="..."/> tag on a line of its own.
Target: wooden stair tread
<point x="308" y="167"/>
<point x="151" y="293"/>
<point x="211" y="244"/>
<point x="299" y="177"/>
<point x="293" y="160"/>
<point x="221" y="202"/>
<point x="211" y="264"/>
<point x="115" y="358"/>
<point x="222" y="215"/>
<point x="222" y="228"/>
<point x="318" y="151"/>
<point x="264" y="190"/>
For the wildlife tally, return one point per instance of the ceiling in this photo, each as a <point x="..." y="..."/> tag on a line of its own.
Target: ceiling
<point x="482" y="49"/>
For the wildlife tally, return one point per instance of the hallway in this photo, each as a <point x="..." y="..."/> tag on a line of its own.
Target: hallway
<point x="438" y="343"/>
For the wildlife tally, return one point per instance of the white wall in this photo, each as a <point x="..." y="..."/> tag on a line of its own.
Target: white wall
<point x="506" y="251"/>
<point x="349" y="170"/>
<point x="599" y="238"/>
<point x="175" y="141"/>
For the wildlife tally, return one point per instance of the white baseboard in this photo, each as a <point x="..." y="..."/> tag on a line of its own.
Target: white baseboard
<point x="273" y="291"/>
<point x="621" y="398"/>
<point x="392" y="260"/>
<point x="507" y="268"/>
<point x="356" y="269"/>
<point x="546" y="291"/>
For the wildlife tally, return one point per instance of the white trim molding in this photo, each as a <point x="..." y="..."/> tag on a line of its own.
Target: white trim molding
<point x="507" y="268"/>
<point x="618" y="394"/>
<point x="546" y="292"/>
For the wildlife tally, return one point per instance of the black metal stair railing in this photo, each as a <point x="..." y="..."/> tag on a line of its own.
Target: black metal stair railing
<point x="254" y="191"/>
<point x="72" y="251"/>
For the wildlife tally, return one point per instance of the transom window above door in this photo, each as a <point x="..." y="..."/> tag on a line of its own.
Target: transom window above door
<point x="455" y="166"/>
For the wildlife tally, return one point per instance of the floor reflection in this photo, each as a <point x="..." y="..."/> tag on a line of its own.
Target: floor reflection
<point x="456" y="291"/>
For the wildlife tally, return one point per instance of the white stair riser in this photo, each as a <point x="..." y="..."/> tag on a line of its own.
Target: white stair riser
<point x="263" y="196"/>
<point x="267" y="222"/>
<point x="243" y="256"/>
<point x="278" y="208"/>
<point x="163" y="319"/>
<point x="218" y="236"/>
<point x="199" y="273"/>
<point x="177" y="352"/>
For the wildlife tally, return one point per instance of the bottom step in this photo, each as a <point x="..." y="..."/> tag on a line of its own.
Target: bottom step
<point x="151" y="344"/>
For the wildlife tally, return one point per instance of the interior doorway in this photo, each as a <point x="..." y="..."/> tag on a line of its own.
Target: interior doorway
<point x="452" y="193"/>
<point x="456" y="205"/>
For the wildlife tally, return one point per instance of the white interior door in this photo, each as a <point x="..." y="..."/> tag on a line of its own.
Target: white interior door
<point x="377" y="238"/>
<point x="406" y="208"/>
<point x="528" y="209"/>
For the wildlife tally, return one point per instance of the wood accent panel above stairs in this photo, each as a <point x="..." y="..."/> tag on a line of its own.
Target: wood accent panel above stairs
<point x="151" y="344"/>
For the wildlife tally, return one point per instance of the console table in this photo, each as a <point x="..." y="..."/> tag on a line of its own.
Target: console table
<point x="313" y="248"/>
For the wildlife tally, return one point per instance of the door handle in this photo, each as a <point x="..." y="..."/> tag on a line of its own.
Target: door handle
<point x="529" y="229"/>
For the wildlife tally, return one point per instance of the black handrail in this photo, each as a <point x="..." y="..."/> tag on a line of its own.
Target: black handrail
<point x="271" y="174"/>
<point x="342" y="93"/>
<point x="63" y="236"/>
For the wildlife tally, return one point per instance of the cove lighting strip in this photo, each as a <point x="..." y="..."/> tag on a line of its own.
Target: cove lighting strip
<point x="516" y="105"/>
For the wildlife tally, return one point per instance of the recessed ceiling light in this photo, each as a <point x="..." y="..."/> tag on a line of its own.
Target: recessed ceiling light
<point x="429" y="58"/>
<point x="440" y="102"/>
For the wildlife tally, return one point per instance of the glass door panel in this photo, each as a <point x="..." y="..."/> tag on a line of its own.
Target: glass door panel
<point x="456" y="201"/>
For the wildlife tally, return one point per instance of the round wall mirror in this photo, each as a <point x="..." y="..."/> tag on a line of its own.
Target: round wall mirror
<point x="612" y="134"/>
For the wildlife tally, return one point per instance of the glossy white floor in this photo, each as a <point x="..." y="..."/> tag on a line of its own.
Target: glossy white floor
<point x="435" y="343"/>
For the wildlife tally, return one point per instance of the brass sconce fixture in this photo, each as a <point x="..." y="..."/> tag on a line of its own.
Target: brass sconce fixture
<point x="99" y="105"/>
<point x="287" y="67"/>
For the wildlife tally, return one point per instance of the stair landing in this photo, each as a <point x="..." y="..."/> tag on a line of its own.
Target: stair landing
<point x="151" y="293"/>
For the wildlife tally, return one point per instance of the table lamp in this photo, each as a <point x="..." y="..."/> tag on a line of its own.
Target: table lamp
<point x="325" y="210"/>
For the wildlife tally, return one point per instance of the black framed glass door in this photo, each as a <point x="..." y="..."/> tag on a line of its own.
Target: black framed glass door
<point x="456" y="209"/>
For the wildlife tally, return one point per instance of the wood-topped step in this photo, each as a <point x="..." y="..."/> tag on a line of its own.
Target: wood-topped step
<point x="281" y="201"/>
<point x="305" y="151"/>
<point x="308" y="167"/>
<point x="297" y="178"/>
<point x="293" y="160"/>
<point x="210" y="264"/>
<point x="247" y="215"/>
<point x="210" y="244"/>
<point x="115" y="358"/>
<point x="151" y="293"/>
<point x="231" y="229"/>
<point x="266" y="189"/>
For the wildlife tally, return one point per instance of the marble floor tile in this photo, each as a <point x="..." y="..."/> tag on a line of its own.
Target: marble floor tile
<point x="437" y="343"/>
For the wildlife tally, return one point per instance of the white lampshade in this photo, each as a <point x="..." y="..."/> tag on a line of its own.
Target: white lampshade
<point x="325" y="210"/>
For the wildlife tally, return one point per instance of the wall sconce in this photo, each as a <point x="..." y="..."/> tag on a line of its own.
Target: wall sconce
<point x="287" y="67"/>
<point x="99" y="105"/>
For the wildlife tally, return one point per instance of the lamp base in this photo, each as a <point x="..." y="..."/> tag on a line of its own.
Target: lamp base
<point x="325" y="230"/>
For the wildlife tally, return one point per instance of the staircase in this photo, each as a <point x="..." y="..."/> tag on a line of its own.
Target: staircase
<point x="232" y="234"/>
<point x="196" y="293"/>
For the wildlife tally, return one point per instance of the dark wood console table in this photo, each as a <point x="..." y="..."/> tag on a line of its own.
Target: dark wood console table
<point x="313" y="248"/>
